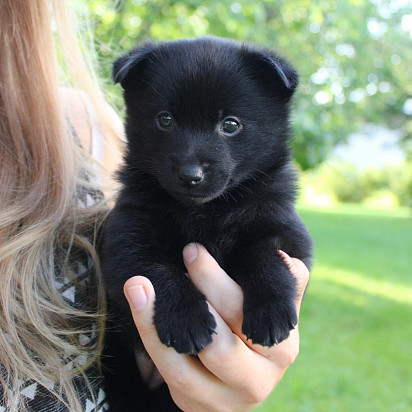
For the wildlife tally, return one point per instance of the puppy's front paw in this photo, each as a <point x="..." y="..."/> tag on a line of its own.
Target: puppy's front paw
<point x="269" y="322"/>
<point x="188" y="329"/>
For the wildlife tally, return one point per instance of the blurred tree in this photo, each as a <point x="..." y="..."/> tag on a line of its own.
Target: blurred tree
<point x="354" y="56"/>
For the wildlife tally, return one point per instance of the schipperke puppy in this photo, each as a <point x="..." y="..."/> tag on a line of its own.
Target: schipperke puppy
<point x="208" y="161"/>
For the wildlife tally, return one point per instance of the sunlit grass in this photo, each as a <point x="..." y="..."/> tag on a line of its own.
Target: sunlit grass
<point x="356" y="321"/>
<point x="358" y="210"/>
<point x="396" y="292"/>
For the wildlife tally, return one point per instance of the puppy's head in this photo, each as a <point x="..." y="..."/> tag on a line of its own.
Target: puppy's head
<point x="203" y="115"/>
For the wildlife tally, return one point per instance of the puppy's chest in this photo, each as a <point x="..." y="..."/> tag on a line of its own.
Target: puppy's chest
<point x="213" y="232"/>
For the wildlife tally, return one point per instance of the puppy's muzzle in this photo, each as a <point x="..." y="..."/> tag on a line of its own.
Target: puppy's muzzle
<point x="190" y="175"/>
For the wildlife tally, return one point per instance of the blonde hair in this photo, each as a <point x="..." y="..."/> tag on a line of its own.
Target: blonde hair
<point x="39" y="172"/>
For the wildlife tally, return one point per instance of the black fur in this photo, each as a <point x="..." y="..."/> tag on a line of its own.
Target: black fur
<point x="191" y="182"/>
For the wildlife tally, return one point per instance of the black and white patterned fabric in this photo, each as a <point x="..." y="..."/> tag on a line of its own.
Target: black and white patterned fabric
<point x="77" y="291"/>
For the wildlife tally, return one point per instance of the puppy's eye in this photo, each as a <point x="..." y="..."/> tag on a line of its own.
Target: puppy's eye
<point x="164" y="120"/>
<point x="230" y="126"/>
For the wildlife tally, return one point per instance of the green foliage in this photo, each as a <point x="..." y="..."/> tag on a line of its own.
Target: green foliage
<point x="348" y="184"/>
<point x="354" y="56"/>
<point x="355" y="320"/>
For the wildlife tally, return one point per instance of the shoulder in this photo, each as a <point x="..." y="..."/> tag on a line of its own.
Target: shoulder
<point x="98" y="127"/>
<point x="93" y="125"/>
<point x="75" y="110"/>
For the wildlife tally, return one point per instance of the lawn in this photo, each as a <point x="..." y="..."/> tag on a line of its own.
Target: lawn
<point x="356" y="320"/>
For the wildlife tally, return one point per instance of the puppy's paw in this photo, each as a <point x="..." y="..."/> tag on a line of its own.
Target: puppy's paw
<point x="188" y="330"/>
<point x="270" y="322"/>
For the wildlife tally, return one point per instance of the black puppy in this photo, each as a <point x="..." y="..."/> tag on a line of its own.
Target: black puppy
<point x="207" y="161"/>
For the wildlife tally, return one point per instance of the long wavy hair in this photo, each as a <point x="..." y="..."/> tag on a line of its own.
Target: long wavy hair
<point x="40" y="169"/>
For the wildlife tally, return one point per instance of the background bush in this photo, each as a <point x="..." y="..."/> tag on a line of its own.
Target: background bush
<point x="345" y="183"/>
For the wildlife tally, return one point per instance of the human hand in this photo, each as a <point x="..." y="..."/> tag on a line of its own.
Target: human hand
<point x="231" y="373"/>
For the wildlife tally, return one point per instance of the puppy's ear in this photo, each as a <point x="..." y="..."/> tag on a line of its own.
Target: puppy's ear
<point x="275" y="72"/>
<point x="125" y="67"/>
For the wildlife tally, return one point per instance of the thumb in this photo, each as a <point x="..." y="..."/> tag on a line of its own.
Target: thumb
<point x="140" y="295"/>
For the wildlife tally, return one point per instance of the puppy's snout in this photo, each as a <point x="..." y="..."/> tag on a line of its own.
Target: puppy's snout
<point x="190" y="176"/>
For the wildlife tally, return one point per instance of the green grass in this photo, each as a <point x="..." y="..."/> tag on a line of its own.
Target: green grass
<point x="356" y="320"/>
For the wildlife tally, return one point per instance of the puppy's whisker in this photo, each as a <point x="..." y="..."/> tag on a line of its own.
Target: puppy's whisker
<point x="150" y="179"/>
<point x="263" y="173"/>
<point x="224" y="196"/>
<point x="239" y="193"/>
<point x="146" y="161"/>
<point x="245" y="188"/>
<point x="231" y="195"/>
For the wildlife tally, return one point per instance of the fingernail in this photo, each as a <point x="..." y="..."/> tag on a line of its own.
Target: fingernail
<point x="136" y="296"/>
<point x="287" y="260"/>
<point x="284" y="256"/>
<point x="190" y="253"/>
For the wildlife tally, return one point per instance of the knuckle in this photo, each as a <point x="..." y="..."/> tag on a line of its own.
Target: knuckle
<point x="305" y="275"/>
<point x="292" y="357"/>
<point x="256" y="395"/>
<point x="217" y="407"/>
<point x="291" y="353"/>
<point x="177" y="381"/>
<point x="222" y="351"/>
<point x="187" y="403"/>
<point x="181" y="382"/>
<point x="302" y="272"/>
<point x="228" y="405"/>
<point x="253" y="393"/>
<point x="233" y="310"/>
<point x="181" y="401"/>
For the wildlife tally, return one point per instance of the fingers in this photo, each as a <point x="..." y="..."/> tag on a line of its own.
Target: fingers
<point x="250" y="374"/>
<point x="227" y="367"/>
<point x="227" y="372"/>
<point x="214" y="283"/>
<point x="184" y="374"/>
<point x="299" y="270"/>
<point x="226" y="296"/>
<point x="222" y="292"/>
<point x="141" y="297"/>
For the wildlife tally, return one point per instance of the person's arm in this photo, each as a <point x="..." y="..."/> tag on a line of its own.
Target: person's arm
<point x="230" y="374"/>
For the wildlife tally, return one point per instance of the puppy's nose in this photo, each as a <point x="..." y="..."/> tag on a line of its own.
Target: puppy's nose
<point x="190" y="175"/>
